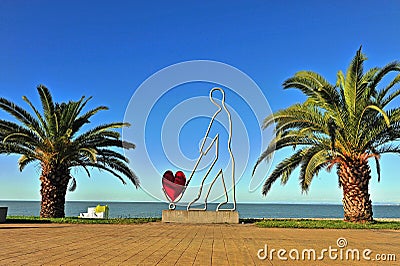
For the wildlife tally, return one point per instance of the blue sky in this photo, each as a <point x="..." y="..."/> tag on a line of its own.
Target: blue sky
<point x="105" y="50"/>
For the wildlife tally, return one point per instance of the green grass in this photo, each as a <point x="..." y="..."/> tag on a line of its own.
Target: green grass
<point x="74" y="220"/>
<point x="325" y="224"/>
<point x="264" y="223"/>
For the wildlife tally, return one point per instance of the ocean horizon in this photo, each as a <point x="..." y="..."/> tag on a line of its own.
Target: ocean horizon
<point x="246" y="210"/>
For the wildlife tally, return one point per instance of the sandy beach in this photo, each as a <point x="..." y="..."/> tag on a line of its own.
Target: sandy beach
<point x="181" y="244"/>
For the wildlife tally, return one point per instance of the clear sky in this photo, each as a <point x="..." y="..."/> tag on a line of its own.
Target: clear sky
<point x="108" y="49"/>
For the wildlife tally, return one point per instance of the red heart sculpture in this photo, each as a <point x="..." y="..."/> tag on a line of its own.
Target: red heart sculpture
<point x="173" y="185"/>
<point x="180" y="178"/>
<point x="169" y="175"/>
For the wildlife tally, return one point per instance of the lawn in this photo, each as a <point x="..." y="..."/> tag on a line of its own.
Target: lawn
<point x="75" y="220"/>
<point x="325" y="224"/>
<point x="263" y="223"/>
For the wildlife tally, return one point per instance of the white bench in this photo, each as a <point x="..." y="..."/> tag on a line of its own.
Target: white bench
<point x="98" y="212"/>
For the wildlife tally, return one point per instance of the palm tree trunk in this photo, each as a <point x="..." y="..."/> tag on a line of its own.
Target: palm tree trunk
<point x="354" y="176"/>
<point x="54" y="183"/>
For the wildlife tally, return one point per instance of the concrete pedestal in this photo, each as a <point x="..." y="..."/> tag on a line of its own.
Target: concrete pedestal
<point x="200" y="217"/>
<point x="3" y="214"/>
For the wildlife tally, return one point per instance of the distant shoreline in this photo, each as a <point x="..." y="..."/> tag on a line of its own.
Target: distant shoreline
<point x="246" y="210"/>
<point x="248" y="203"/>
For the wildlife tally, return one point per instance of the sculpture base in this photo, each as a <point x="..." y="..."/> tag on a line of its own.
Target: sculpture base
<point x="200" y="217"/>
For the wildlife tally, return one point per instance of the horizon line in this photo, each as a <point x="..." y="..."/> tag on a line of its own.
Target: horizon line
<point x="244" y="202"/>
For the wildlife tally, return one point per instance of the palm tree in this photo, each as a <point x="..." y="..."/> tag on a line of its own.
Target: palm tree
<point x="56" y="141"/>
<point x="342" y="124"/>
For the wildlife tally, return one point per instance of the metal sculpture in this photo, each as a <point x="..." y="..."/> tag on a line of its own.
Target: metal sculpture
<point x="174" y="192"/>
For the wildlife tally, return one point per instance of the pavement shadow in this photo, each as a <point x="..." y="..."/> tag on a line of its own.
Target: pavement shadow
<point x="23" y="221"/>
<point x="29" y="227"/>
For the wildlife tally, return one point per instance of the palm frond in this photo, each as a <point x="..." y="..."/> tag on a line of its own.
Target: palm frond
<point x="313" y="161"/>
<point x="24" y="160"/>
<point x="393" y="66"/>
<point x="72" y="186"/>
<point x="38" y="115"/>
<point x="354" y="75"/>
<point x="48" y="109"/>
<point x="21" y="115"/>
<point x="84" y="119"/>
<point x="284" y="169"/>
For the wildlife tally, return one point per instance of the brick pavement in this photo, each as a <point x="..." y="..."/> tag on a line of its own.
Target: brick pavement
<point x="179" y="244"/>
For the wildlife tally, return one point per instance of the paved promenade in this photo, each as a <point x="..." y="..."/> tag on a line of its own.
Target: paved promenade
<point x="182" y="244"/>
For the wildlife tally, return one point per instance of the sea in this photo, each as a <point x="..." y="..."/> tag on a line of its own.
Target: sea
<point x="246" y="210"/>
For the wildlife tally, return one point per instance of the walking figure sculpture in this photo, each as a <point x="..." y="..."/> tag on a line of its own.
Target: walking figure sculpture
<point x="204" y="151"/>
